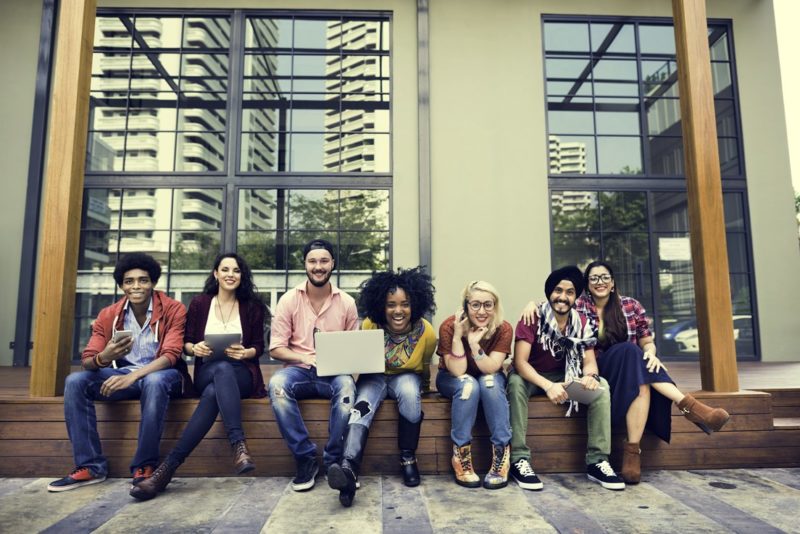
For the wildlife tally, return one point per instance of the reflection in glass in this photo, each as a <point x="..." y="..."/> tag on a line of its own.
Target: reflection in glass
<point x="721" y="79"/>
<point x="660" y="78"/>
<point x="657" y="39"/>
<point x="363" y="251"/>
<point x="734" y="211"/>
<point x="737" y="252"/>
<point x="615" y="69"/>
<point x="207" y="32"/>
<point x="568" y="68"/>
<point x="264" y="152"/>
<point x="575" y="248"/>
<point x="619" y="155"/>
<point x="623" y="211"/>
<point x="637" y="284"/>
<point x="566" y="36"/>
<point x="718" y="39"/>
<point x="574" y="210"/>
<point x="193" y="250"/>
<point x="570" y="154"/>
<point x="627" y="251"/>
<point x="617" y="122"/>
<point x="663" y="116"/>
<point x="262" y="250"/>
<point x="666" y="156"/>
<point x="570" y="122"/>
<point x="157" y="32"/>
<point x="613" y="38"/>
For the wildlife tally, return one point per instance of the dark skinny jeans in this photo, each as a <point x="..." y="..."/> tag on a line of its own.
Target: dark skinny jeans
<point x="223" y="385"/>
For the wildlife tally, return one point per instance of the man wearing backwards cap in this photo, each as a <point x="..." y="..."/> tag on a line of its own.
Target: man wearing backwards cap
<point x="554" y="350"/>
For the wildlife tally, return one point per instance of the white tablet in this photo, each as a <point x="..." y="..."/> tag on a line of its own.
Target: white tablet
<point x="584" y="396"/>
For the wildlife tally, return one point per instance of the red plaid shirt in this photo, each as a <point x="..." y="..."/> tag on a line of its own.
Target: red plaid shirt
<point x="638" y="325"/>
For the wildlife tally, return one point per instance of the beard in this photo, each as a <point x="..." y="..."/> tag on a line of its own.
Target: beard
<point x="317" y="283"/>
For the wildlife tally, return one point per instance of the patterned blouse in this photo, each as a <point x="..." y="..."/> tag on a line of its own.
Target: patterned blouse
<point x="638" y="325"/>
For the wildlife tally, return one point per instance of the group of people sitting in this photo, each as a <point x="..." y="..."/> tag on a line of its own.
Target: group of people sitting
<point x="595" y="340"/>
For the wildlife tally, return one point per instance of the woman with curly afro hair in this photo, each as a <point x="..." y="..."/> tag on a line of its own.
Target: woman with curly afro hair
<point x="396" y="302"/>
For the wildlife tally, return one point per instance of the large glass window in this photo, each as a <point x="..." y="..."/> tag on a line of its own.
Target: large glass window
<point x="250" y="131"/>
<point x="613" y="114"/>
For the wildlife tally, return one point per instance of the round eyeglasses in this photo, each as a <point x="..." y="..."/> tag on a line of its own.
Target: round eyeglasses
<point x="476" y="305"/>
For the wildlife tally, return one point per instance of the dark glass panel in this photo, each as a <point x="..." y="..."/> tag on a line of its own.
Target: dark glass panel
<point x="619" y="155"/>
<point x="623" y="211"/>
<point x="744" y="335"/>
<point x="627" y="251"/>
<point x="666" y="155"/>
<point x="574" y="211"/>
<point x="670" y="212"/>
<point x="726" y="118"/>
<point x="657" y="39"/>
<point x="660" y="78"/>
<point x="616" y="38"/>
<point x="566" y="37"/>
<point x="575" y="248"/>
<point x="737" y="252"/>
<point x="729" y="156"/>
<point x="261" y="250"/>
<point x="676" y="292"/>
<point x="734" y="211"/>
<point x="677" y="335"/>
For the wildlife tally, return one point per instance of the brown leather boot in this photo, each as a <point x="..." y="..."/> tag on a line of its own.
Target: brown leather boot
<point x="151" y="487"/>
<point x="704" y="416"/>
<point x="631" y="463"/>
<point x="242" y="461"/>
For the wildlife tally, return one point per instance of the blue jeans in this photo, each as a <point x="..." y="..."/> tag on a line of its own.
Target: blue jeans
<point x="83" y="388"/>
<point x="374" y="388"/>
<point x="223" y="385"/>
<point x="295" y="383"/>
<point x="466" y="392"/>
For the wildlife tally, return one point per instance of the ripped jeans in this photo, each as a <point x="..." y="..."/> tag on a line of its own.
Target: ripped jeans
<point x="294" y="383"/>
<point x="374" y="388"/>
<point x="467" y="392"/>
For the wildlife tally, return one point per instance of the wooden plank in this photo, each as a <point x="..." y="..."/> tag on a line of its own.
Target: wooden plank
<point x="706" y="218"/>
<point x="66" y="155"/>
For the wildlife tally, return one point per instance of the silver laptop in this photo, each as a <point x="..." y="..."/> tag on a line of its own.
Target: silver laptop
<point x="349" y="352"/>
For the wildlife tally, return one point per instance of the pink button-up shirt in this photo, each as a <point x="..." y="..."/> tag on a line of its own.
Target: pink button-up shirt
<point x="295" y="321"/>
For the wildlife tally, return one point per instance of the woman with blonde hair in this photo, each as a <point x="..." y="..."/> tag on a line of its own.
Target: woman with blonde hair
<point x="473" y="343"/>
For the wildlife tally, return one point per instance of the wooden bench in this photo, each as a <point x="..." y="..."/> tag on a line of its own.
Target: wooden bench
<point x="34" y="442"/>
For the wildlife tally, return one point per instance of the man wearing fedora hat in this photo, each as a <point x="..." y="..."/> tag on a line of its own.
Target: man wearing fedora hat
<point x="555" y="349"/>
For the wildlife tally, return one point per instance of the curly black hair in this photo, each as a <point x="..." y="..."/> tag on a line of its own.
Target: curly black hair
<point x="137" y="260"/>
<point x="416" y="283"/>
<point x="246" y="292"/>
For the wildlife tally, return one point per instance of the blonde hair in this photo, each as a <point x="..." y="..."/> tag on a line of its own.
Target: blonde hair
<point x="480" y="285"/>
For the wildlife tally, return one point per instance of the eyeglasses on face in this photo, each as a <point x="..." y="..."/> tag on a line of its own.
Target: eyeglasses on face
<point x="476" y="305"/>
<point x="597" y="278"/>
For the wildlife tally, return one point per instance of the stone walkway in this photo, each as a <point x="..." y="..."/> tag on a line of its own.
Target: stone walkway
<point x="760" y="501"/>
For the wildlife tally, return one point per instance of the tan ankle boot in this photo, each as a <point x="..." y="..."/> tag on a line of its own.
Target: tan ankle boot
<point x="631" y="463"/>
<point x="707" y="418"/>
<point x="242" y="461"/>
<point x="462" y="466"/>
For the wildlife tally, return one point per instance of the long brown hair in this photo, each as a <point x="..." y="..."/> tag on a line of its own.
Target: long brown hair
<point x="613" y="317"/>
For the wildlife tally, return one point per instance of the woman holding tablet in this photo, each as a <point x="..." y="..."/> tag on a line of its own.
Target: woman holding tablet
<point x="395" y="302"/>
<point x="229" y="305"/>
<point x="473" y="344"/>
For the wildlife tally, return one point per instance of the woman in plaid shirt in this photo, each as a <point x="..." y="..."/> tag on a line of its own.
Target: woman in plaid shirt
<point x="642" y="392"/>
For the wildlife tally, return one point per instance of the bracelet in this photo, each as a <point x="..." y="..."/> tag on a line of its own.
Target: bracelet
<point x="97" y="362"/>
<point x="480" y="356"/>
<point x="458" y="356"/>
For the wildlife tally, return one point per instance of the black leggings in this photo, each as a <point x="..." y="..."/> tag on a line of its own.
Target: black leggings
<point x="223" y="385"/>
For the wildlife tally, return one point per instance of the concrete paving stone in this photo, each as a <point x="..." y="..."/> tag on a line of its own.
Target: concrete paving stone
<point x="188" y="505"/>
<point x="33" y="509"/>
<point x="454" y="509"/>
<point x="255" y="504"/>
<point x="554" y="505"/>
<point x="766" y="501"/>
<point x="10" y="485"/>
<point x="705" y="499"/>
<point x="404" y="509"/>
<point x="788" y="477"/>
<point x="641" y="508"/>
<point x="95" y="514"/>
<point x="319" y="510"/>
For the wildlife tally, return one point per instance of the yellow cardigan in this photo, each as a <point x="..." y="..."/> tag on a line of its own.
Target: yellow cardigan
<point x="420" y="357"/>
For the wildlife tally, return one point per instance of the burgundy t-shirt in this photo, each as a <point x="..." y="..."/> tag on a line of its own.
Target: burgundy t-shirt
<point x="541" y="359"/>
<point x="499" y="341"/>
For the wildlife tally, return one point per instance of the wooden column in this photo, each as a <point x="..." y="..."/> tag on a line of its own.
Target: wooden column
<point x="63" y="184"/>
<point x="706" y="218"/>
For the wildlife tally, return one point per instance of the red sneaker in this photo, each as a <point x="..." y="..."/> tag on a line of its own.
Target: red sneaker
<point x="81" y="476"/>
<point x="142" y="473"/>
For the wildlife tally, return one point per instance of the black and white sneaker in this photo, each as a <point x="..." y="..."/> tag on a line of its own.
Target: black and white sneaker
<point x="522" y="472"/>
<point x="604" y="474"/>
<point x="307" y="469"/>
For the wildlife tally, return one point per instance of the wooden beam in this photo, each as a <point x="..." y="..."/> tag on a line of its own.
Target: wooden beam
<point x="706" y="217"/>
<point x="63" y="182"/>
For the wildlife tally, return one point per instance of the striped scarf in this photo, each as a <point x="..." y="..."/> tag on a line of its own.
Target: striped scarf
<point x="569" y="346"/>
